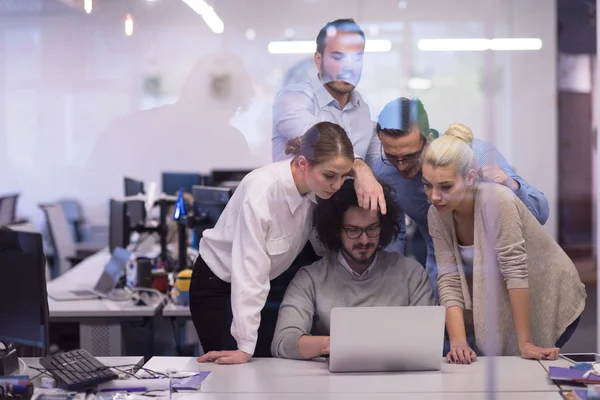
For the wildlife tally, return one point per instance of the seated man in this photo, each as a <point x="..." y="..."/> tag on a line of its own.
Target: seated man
<point x="355" y="272"/>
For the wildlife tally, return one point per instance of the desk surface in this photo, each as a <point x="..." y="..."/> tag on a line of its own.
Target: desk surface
<point x="84" y="276"/>
<point x="173" y="310"/>
<point x="271" y="375"/>
<point x="371" y="396"/>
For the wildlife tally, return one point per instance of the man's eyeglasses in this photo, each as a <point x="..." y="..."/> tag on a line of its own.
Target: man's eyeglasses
<point x="408" y="161"/>
<point x="354" y="232"/>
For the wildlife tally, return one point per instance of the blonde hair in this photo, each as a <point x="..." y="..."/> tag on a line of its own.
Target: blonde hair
<point x="452" y="149"/>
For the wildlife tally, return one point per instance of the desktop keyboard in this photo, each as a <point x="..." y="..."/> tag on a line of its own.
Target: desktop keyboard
<point x="77" y="370"/>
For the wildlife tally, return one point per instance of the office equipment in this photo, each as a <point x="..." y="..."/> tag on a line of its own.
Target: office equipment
<point x="77" y="370"/>
<point x="581" y="357"/>
<point x="119" y="229"/>
<point x="133" y="186"/>
<point x="105" y="284"/>
<point x="209" y="203"/>
<point x="9" y="360"/>
<point x="227" y="178"/>
<point x="135" y="208"/>
<point x="16" y="387"/>
<point x="377" y="339"/>
<point x="23" y="297"/>
<point x="8" y="209"/>
<point x="172" y="182"/>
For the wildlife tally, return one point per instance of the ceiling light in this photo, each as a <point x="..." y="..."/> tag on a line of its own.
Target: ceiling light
<point x="250" y="34"/>
<point x="208" y="14"/>
<point x="419" y="84"/>
<point x="88" y="6"/>
<point x="289" y="33"/>
<point x="309" y="47"/>
<point x="128" y="25"/>
<point x="480" y="44"/>
<point x="373" y="30"/>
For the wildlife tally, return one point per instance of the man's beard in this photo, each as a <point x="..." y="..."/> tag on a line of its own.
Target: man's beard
<point x="361" y="261"/>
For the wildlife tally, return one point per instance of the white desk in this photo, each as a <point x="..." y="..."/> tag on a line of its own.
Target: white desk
<point x="175" y="311"/>
<point x="370" y="396"/>
<point x="99" y="320"/>
<point x="297" y="378"/>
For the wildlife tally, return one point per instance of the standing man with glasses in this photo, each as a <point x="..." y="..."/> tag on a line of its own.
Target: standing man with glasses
<point x="403" y="128"/>
<point x="355" y="272"/>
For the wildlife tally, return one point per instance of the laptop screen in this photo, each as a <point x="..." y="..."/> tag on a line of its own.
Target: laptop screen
<point x="112" y="271"/>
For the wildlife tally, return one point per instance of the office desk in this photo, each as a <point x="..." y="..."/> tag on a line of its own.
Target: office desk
<point x="371" y="396"/>
<point x="99" y="320"/>
<point x="307" y="378"/>
<point x="175" y="311"/>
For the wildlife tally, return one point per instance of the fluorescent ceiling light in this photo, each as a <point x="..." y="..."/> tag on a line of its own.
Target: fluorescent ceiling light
<point x="208" y="14"/>
<point x="480" y="44"/>
<point x="309" y="47"/>
<point x="419" y="84"/>
<point x="516" y="44"/>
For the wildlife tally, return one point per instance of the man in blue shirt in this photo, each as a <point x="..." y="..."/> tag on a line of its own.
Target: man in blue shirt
<point x="331" y="96"/>
<point x="403" y="128"/>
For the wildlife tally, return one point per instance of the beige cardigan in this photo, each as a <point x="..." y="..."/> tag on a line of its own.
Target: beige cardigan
<point x="521" y="255"/>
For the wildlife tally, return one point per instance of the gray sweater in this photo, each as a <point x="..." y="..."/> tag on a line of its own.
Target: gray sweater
<point x="521" y="255"/>
<point x="391" y="280"/>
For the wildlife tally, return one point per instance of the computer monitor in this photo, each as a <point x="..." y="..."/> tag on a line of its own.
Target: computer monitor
<point x="172" y="182"/>
<point x="119" y="229"/>
<point x="23" y="298"/>
<point x="218" y="177"/>
<point x="133" y="186"/>
<point x="209" y="203"/>
<point x="8" y="209"/>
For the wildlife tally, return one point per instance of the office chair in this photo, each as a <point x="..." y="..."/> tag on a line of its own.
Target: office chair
<point x="67" y="253"/>
<point x="89" y="236"/>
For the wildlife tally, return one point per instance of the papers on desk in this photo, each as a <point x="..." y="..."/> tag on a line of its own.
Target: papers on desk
<point x="572" y="375"/>
<point x="190" y="382"/>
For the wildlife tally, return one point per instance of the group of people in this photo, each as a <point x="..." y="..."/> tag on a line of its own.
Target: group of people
<point x="344" y="183"/>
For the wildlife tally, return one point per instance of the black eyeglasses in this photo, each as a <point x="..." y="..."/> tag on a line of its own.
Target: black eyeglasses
<point x="405" y="161"/>
<point x="354" y="232"/>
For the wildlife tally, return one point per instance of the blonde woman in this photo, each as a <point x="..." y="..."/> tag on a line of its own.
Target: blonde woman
<point x="484" y="235"/>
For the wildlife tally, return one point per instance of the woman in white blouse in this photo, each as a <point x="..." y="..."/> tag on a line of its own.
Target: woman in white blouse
<point x="263" y="228"/>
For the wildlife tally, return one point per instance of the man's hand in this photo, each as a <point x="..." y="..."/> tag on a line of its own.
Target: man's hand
<point x="326" y="346"/>
<point x="528" y="350"/>
<point x="494" y="174"/>
<point x="225" y="357"/>
<point x="368" y="191"/>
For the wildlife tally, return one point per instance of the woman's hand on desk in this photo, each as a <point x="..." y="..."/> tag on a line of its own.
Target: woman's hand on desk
<point x="529" y="350"/>
<point x="461" y="353"/>
<point x="225" y="357"/>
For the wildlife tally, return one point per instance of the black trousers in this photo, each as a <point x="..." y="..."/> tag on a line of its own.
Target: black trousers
<point x="210" y="306"/>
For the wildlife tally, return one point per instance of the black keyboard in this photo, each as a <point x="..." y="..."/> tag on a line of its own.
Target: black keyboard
<point x="77" y="370"/>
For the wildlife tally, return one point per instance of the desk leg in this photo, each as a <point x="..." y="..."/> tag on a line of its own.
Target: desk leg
<point x="101" y="339"/>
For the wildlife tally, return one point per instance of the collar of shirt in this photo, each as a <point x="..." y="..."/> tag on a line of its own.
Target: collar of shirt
<point x="342" y="260"/>
<point x="324" y="98"/>
<point x="292" y="195"/>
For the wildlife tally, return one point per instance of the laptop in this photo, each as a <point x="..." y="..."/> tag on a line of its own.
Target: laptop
<point x="383" y="339"/>
<point x="106" y="283"/>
